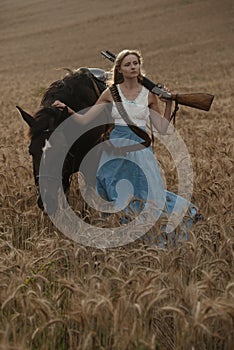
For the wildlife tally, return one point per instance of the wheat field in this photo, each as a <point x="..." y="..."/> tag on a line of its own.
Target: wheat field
<point x="56" y="294"/>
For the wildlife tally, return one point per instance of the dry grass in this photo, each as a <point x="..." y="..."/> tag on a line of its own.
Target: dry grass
<point x="56" y="294"/>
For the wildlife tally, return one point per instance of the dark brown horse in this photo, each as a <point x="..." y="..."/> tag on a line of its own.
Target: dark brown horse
<point x="79" y="90"/>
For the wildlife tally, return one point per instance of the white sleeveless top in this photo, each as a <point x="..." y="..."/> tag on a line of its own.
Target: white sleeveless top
<point x="138" y="110"/>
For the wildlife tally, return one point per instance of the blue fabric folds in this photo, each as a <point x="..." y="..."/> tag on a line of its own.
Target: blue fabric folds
<point x="133" y="181"/>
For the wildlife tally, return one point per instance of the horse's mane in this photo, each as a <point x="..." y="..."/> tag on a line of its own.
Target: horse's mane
<point x="76" y="90"/>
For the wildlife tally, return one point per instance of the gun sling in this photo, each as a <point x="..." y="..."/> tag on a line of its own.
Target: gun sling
<point x="138" y="131"/>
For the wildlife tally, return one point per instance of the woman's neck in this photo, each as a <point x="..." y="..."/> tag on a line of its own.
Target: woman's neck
<point x="130" y="84"/>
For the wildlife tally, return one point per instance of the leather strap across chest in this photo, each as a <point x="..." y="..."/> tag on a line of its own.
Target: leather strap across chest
<point x="138" y="131"/>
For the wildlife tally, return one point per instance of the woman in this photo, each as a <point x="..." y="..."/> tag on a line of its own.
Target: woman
<point x="144" y="186"/>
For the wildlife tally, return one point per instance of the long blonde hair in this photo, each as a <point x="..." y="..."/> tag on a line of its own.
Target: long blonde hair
<point x="116" y="76"/>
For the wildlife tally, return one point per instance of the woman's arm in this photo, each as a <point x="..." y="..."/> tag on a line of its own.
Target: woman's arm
<point x="160" y="122"/>
<point x="91" y="114"/>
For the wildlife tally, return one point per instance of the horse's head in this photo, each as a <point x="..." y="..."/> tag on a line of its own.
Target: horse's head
<point x="42" y="125"/>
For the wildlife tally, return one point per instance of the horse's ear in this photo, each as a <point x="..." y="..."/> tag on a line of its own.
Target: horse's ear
<point x="27" y="117"/>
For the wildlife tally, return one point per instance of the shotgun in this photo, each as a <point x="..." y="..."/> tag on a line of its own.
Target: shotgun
<point x="195" y="100"/>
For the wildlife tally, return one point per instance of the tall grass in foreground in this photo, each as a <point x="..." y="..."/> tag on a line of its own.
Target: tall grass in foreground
<point x="56" y="294"/>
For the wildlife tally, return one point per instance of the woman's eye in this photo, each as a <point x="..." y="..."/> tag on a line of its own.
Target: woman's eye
<point x="128" y="64"/>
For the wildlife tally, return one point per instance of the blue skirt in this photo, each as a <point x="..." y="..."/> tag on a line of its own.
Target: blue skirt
<point x="133" y="181"/>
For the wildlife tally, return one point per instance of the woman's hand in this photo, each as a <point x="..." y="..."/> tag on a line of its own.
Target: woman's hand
<point x="62" y="105"/>
<point x="163" y="99"/>
<point x="59" y="104"/>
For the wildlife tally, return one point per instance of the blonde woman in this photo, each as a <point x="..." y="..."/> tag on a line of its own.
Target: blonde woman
<point x="138" y="167"/>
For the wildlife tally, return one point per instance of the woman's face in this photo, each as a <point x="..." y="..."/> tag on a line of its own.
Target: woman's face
<point x="130" y="66"/>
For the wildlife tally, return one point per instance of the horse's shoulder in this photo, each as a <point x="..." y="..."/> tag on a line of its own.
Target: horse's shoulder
<point x="106" y="96"/>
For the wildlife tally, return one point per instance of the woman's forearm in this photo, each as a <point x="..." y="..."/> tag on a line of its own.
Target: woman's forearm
<point x="161" y="122"/>
<point x="167" y="112"/>
<point x="165" y="120"/>
<point x="90" y="115"/>
<point x="85" y="118"/>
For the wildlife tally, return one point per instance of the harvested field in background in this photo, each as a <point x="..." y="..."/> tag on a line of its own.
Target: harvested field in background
<point x="57" y="294"/>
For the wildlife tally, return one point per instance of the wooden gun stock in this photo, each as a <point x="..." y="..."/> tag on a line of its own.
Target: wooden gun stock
<point x="195" y="100"/>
